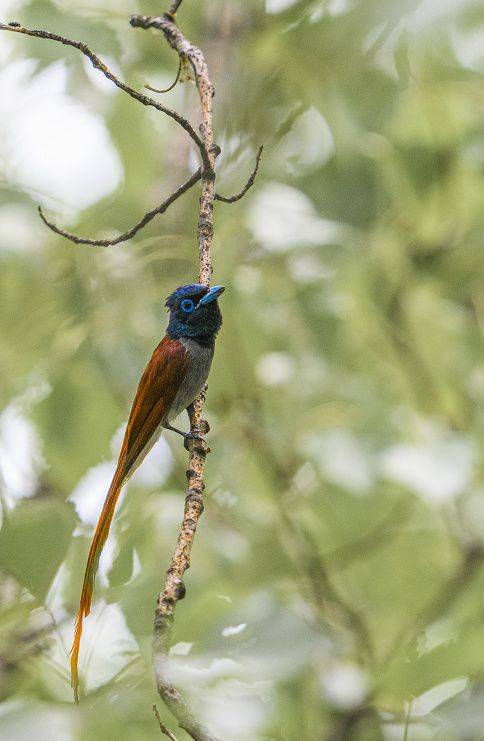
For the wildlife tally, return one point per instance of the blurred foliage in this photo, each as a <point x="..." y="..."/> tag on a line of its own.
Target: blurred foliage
<point x="336" y="584"/>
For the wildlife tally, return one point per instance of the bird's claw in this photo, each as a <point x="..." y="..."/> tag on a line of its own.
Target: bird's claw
<point x="195" y="437"/>
<point x="200" y="446"/>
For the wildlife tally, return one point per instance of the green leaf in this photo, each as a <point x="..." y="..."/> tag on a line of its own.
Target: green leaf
<point x="33" y="543"/>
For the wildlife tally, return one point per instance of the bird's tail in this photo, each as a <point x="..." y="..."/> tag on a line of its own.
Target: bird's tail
<point x="100" y="537"/>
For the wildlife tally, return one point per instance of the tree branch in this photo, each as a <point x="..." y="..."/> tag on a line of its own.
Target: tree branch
<point x="174" y="588"/>
<point x="166" y="731"/>
<point x="174" y="6"/>
<point x="149" y="216"/>
<point x="208" y="149"/>
<point x="98" y="64"/>
<point x="206" y="91"/>
<point x="249" y="183"/>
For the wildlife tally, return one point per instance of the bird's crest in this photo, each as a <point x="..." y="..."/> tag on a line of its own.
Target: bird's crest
<point x="193" y="289"/>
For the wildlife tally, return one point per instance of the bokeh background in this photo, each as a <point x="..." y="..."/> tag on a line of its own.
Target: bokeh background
<point x="336" y="589"/>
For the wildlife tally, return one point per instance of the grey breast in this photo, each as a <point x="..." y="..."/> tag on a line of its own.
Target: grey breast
<point x="200" y="361"/>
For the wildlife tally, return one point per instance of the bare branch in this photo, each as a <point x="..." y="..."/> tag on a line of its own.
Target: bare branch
<point x="98" y="64"/>
<point x="174" y="6"/>
<point x="174" y="588"/>
<point x="149" y="216"/>
<point x="249" y="183"/>
<point x="166" y="731"/>
<point x="173" y="591"/>
<point x="206" y="91"/>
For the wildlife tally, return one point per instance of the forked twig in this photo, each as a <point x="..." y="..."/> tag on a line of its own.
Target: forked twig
<point x="149" y="216"/>
<point x="99" y="64"/>
<point x="166" y="731"/>
<point x="174" y="6"/>
<point x="208" y="158"/>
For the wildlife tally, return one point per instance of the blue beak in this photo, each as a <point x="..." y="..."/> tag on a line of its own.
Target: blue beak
<point x="212" y="295"/>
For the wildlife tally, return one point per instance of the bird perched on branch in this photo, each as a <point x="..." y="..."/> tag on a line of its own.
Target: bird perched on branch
<point x="173" y="378"/>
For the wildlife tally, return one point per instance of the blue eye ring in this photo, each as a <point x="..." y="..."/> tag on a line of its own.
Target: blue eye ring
<point x="187" y="305"/>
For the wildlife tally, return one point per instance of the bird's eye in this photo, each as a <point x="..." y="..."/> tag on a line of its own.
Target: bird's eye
<point x="187" y="305"/>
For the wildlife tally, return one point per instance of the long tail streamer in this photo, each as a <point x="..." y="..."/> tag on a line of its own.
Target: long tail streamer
<point x="99" y="539"/>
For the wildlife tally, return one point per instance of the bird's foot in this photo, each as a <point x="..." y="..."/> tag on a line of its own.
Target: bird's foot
<point x="195" y="436"/>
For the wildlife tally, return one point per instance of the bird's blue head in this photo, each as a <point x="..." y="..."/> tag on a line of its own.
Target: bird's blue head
<point x="195" y="313"/>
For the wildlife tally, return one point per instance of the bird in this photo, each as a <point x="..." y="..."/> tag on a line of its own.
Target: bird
<point x="172" y="380"/>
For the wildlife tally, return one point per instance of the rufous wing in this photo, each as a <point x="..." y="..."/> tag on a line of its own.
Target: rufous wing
<point x="156" y="393"/>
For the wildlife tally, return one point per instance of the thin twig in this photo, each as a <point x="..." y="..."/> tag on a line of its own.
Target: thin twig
<point x="174" y="588"/>
<point x="163" y="728"/>
<point x="98" y="64"/>
<point x="249" y="183"/>
<point x="149" y="216"/>
<point x="206" y="91"/>
<point x="166" y="89"/>
<point x="408" y="716"/>
<point x="174" y="6"/>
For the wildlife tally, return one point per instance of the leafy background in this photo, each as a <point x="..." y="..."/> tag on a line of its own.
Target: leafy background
<point x="336" y="586"/>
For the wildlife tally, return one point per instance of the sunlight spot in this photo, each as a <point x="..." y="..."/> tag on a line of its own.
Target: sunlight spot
<point x="225" y="498"/>
<point x="277" y="6"/>
<point x="308" y="269"/>
<point x="67" y="160"/>
<point x="282" y="217"/>
<point x="182" y="648"/>
<point x="469" y="47"/>
<point x="21" y="229"/>
<point x="90" y="492"/>
<point x="156" y="467"/>
<point x="275" y="369"/>
<point x="247" y="279"/>
<point x="345" y="685"/>
<point x="7" y="7"/>
<point x="231" y="545"/>
<point x="107" y="646"/>
<point x="235" y="717"/>
<point x="19" y="717"/>
<point x="309" y="143"/>
<point x="438" y="469"/>
<point x="136" y="566"/>
<point x="342" y="460"/>
<point x="305" y="477"/>
<point x="20" y="455"/>
<point x="434" y="697"/>
<point x="340" y="7"/>
<point x="224" y="598"/>
<point x="187" y="672"/>
<point x="55" y="596"/>
<point x="233" y="630"/>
